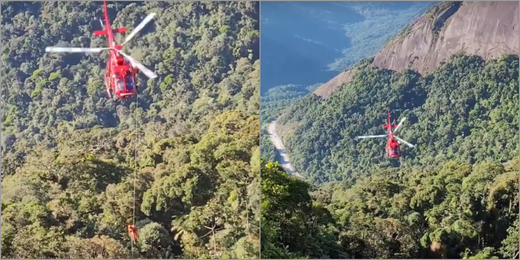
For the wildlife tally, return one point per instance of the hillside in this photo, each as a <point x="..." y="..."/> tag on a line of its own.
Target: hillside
<point x="467" y="86"/>
<point x="467" y="109"/>
<point x="76" y="165"/>
<point x="486" y="29"/>
<point x="453" y="196"/>
<point x="305" y="43"/>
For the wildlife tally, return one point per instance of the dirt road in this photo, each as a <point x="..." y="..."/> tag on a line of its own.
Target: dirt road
<point x="282" y="156"/>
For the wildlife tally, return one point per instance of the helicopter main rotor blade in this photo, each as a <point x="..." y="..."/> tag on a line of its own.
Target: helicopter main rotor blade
<point x="400" y="124"/>
<point x="404" y="142"/>
<point x="101" y="22"/>
<point x="74" y="50"/>
<point x="370" y="136"/>
<point x="141" y="67"/>
<point x="139" y="27"/>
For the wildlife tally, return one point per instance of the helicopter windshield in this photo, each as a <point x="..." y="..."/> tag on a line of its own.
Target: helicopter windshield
<point x="120" y="86"/>
<point x="129" y="81"/>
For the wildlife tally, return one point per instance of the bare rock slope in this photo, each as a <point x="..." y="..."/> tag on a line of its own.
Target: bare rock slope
<point x="488" y="29"/>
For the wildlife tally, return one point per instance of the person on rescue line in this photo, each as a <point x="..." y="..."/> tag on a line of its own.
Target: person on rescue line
<point x="133" y="232"/>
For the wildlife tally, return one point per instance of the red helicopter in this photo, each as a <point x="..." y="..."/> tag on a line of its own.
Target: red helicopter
<point x="121" y="75"/>
<point x="393" y="148"/>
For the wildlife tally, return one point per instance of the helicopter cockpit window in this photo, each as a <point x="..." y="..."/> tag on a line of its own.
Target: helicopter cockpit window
<point x="120" y="86"/>
<point x="129" y="81"/>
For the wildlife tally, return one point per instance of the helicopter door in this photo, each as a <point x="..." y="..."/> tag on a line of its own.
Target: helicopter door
<point x="129" y="81"/>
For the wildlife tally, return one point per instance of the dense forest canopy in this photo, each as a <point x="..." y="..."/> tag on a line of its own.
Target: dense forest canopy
<point x="466" y="110"/>
<point x="71" y="156"/>
<point x="455" y="195"/>
<point x="456" y="211"/>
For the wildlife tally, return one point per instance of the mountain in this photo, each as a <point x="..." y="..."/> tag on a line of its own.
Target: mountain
<point x="307" y="43"/>
<point x="486" y="29"/>
<point x="407" y="92"/>
<point x="453" y="196"/>
<point x="304" y="43"/>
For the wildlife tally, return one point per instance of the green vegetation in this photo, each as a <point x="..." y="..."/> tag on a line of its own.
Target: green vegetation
<point x="380" y="22"/>
<point x="455" y="195"/>
<point x="69" y="154"/>
<point x="457" y="211"/>
<point x="273" y="104"/>
<point x="293" y="226"/>
<point x="466" y="110"/>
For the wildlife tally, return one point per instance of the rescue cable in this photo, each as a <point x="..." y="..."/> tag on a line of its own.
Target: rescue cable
<point x="132" y="229"/>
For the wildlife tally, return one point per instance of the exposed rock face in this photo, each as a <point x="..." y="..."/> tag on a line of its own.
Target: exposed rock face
<point x="326" y="89"/>
<point x="487" y="29"/>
